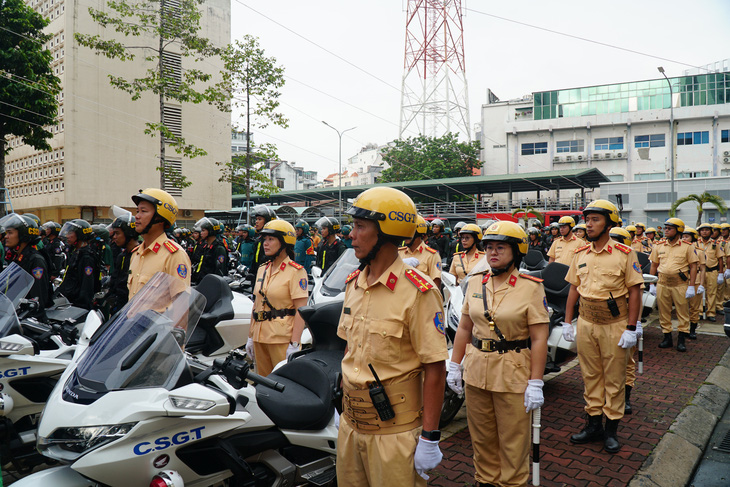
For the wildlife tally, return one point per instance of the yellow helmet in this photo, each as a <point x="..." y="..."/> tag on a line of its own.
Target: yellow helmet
<point x="643" y="227"/>
<point x="510" y="232"/>
<point x="421" y="225"/>
<point x="691" y="231"/>
<point x="165" y="205"/>
<point x="650" y="230"/>
<point x="620" y="234"/>
<point x="391" y="209"/>
<point x="723" y="226"/>
<point x="472" y="229"/>
<point x="566" y="220"/>
<point x="675" y="222"/>
<point x="603" y="207"/>
<point x="631" y="228"/>
<point x="716" y="226"/>
<point x="280" y="228"/>
<point x="704" y="225"/>
<point x="580" y="226"/>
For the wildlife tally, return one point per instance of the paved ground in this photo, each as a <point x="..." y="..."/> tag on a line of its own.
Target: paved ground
<point x="669" y="381"/>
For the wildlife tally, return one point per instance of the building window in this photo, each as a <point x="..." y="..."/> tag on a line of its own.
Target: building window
<point x="615" y="178"/>
<point x="659" y="198"/>
<point x="570" y="146"/>
<point x="609" y="143"/>
<point x="654" y="140"/>
<point x="693" y="138"/>
<point x="649" y="176"/>
<point x="534" y="148"/>
<point x="725" y="136"/>
<point x="695" y="174"/>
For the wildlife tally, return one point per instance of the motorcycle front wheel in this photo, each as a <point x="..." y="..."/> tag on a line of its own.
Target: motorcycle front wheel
<point x="451" y="406"/>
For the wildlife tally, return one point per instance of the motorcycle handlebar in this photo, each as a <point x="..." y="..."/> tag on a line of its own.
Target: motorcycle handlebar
<point x="266" y="382"/>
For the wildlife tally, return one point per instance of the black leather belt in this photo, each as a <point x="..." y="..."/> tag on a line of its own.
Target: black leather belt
<point x="500" y="346"/>
<point x="713" y="269"/>
<point x="274" y="313"/>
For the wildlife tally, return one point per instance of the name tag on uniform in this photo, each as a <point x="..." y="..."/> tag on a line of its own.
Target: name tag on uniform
<point x="346" y="311"/>
<point x="580" y="266"/>
<point x="477" y="295"/>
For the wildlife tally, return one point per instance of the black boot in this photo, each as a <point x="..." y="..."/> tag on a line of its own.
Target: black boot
<point x="667" y="342"/>
<point x="693" y="331"/>
<point x="611" y="444"/>
<point x="681" y="347"/>
<point x="627" y="405"/>
<point x="593" y="431"/>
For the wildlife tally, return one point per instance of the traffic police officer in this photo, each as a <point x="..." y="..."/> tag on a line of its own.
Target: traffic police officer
<point x="503" y="331"/>
<point x="607" y="277"/>
<point x="640" y="242"/>
<point x="393" y="320"/>
<point x="690" y="235"/>
<point x="421" y="256"/>
<point x="470" y="235"/>
<point x="676" y="262"/>
<point x="156" y="211"/>
<point x="714" y="269"/>
<point x="454" y="246"/>
<point x="331" y="247"/>
<point x="562" y="248"/>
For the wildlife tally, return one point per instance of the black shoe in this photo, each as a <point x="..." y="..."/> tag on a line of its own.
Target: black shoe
<point x="593" y="431"/>
<point x="627" y="405"/>
<point x="712" y="319"/>
<point x="720" y="312"/>
<point x="610" y="443"/>
<point x="667" y="342"/>
<point x="693" y="331"/>
<point x="681" y="347"/>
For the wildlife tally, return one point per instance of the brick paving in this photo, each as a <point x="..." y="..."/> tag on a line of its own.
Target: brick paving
<point x="669" y="381"/>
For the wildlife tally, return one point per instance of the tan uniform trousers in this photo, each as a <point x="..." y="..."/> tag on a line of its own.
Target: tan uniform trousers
<point x="603" y="367"/>
<point x="695" y="307"/>
<point x="268" y="355"/>
<point x="711" y="293"/>
<point x="631" y="367"/>
<point x="376" y="460"/>
<point x="721" y="293"/>
<point x="671" y="292"/>
<point x="500" y="436"/>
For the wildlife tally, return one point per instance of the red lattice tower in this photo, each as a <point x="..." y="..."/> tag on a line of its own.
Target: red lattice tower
<point x="434" y="95"/>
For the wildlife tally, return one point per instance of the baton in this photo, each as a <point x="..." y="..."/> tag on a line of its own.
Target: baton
<point x="536" y="413"/>
<point x="640" y="347"/>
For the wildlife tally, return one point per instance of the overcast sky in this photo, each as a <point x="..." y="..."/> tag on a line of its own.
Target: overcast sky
<point x="510" y="59"/>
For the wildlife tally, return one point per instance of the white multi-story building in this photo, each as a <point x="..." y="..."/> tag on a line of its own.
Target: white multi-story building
<point x="100" y="154"/>
<point x="367" y="164"/>
<point x="288" y="177"/>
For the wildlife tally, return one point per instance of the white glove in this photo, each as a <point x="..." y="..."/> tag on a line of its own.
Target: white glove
<point x="690" y="293"/>
<point x="568" y="332"/>
<point x="628" y="339"/>
<point x="727" y="274"/>
<point x="700" y="289"/>
<point x="639" y="329"/>
<point x="720" y="279"/>
<point x="337" y="419"/>
<point x="411" y="261"/>
<point x="428" y="456"/>
<point x="454" y="377"/>
<point x="249" y="349"/>
<point x="533" y="395"/>
<point x="290" y="350"/>
<point x="652" y="289"/>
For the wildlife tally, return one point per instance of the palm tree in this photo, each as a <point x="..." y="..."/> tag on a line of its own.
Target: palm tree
<point x="700" y="200"/>
<point x="530" y="211"/>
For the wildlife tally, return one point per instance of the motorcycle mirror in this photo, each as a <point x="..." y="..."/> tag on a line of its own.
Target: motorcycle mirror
<point x="316" y="272"/>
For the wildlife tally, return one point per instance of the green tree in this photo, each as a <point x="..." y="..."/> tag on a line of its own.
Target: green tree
<point x="165" y="33"/>
<point x="700" y="200"/>
<point x="423" y="157"/>
<point x="257" y="178"/>
<point x="28" y="87"/>
<point x="530" y="211"/>
<point x="257" y="79"/>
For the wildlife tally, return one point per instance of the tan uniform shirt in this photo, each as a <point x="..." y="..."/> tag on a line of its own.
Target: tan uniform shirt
<point x="600" y="273"/>
<point x="429" y="260"/>
<point x="642" y="244"/>
<point x="163" y="255"/>
<point x="462" y="264"/>
<point x="562" y="250"/>
<point x="395" y="324"/>
<point x="515" y="306"/>
<point x="673" y="258"/>
<point x="281" y="285"/>
<point x="713" y="252"/>
<point x="700" y="263"/>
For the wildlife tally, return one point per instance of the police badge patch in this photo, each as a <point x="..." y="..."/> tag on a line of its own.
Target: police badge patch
<point x="303" y="283"/>
<point x="438" y="265"/>
<point x="438" y="321"/>
<point x="88" y="270"/>
<point x="544" y="303"/>
<point x="37" y="272"/>
<point x="182" y="271"/>
<point x="637" y="267"/>
<point x="221" y="259"/>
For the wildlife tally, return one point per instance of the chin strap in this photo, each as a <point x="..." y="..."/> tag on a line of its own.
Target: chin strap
<point x="502" y="270"/>
<point x="606" y="228"/>
<point x="365" y="261"/>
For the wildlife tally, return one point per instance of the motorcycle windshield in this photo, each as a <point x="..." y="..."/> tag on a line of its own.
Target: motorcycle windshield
<point x="141" y="347"/>
<point x="15" y="283"/>
<point x="335" y="279"/>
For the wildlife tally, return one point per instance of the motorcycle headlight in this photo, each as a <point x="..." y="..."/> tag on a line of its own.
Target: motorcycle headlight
<point x="68" y="444"/>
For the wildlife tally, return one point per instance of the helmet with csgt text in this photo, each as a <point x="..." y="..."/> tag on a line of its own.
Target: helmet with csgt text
<point x="676" y="223"/>
<point x="331" y="224"/>
<point x="26" y="227"/>
<point x="264" y="212"/>
<point x="604" y="207"/>
<point x="510" y="232"/>
<point x="620" y="234"/>
<point x="391" y="209"/>
<point x="473" y="230"/>
<point x="81" y="228"/>
<point x="421" y="225"/>
<point x="165" y="205"/>
<point x="282" y="229"/>
<point x="127" y="225"/>
<point x="566" y="220"/>
<point x="209" y="224"/>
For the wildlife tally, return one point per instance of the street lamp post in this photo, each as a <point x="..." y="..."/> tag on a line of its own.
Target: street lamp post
<point x="671" y="131"/>
<point x="339" y="178"/>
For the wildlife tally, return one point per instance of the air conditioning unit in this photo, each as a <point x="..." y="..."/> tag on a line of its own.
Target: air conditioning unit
<point x="619" y="155"/>
<point x="580" y="158"/>
<point x="568" y="158"/>
<point x="187" y="213"/>
<point x="726" y="159"/>
<point x="726" y="153"/>
<point x="556" y="159"/>
<point x="607" y="155"/>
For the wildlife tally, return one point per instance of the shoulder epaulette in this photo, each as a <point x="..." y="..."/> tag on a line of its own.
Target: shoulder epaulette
<point x="623" y="248"/>
<point x="352" y="275"/>
<point x="581" y="249"/>
<point x="295" y="265"/>
<point x="532" y="278"/>
<point x="402" y="248"/>
<point x="135" y="249"/>
<point x="170" y="246"/>
<point x="418" y="280"/>
<point x="433" y="251"/>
